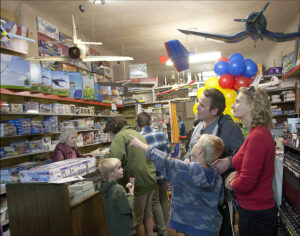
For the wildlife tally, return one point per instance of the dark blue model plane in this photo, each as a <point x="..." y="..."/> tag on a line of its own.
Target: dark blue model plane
<point x="255" y="27"/>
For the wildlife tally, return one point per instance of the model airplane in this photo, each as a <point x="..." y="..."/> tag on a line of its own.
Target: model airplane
<point x="78" y="50"/>
<point x="176" y="88"/>
<point x="273" y="81"/>
<point x="5" y="36"/>
<point x="255" y="27"/>
<point x="178" y="54"/>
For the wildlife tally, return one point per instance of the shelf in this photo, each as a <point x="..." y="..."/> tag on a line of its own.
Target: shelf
<point x="270" y="76"/>
<point x="287" y="223"/>
<point x="293" y="72"/>
<point x="52" y="97"/>
<point x="293" y="147"/>
<point x="279" y="89"/>
<point x="40" y="152"/>
<point x="292" y="101"/>
<point x="54" y="114"/>
<point x="291" y="114"/>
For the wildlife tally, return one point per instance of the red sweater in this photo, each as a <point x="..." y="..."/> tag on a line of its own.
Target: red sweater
<point x="254" y="163"/>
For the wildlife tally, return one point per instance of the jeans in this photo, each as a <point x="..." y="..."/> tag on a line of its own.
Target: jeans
<point x="160" y="207"/>
<point x="258" y="222"/>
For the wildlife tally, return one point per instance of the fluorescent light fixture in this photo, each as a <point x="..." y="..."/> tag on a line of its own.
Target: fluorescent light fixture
<point x="201" y="57"/>
<point x="97" y="1"/>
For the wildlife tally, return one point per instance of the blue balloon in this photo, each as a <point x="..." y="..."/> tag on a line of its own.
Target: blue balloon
<point x="221" y="68"/>
<point x="236" y="67"/>
<point x="251" y="68"/>
<point x="235" y="56"/>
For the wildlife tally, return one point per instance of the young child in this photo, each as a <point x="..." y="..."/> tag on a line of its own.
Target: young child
<point x="117" y="203"/>
<point x="196" y="186"/>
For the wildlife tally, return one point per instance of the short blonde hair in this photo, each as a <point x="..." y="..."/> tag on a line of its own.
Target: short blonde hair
<point x="212" y="146"/>
<point x="106" y="166"/>
<point x="260" y="112"/>
<point x="66" y="132"/>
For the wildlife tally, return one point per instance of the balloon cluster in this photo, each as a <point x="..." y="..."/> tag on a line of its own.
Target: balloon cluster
<point x="234" y="73"/>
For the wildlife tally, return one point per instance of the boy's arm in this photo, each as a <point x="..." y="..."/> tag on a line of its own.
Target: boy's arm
<point x="124" y="202"/>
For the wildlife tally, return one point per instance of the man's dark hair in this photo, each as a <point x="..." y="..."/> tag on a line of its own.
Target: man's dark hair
<point x="143" y="119"/>
<point x="217" y="99"/>
<point x="179" y="118"/>
<point x="115" y="124"/>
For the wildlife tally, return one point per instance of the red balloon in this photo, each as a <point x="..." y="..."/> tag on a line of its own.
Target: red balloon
<point x="226" y="81"/>
<point x="242" y="81"/>
<point x="223" y="59"/>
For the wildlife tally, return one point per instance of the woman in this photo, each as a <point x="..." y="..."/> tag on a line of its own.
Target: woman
<point x="254" y="165"/>
<point x="66" y="148"/>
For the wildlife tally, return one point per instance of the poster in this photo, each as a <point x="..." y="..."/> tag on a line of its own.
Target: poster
<point x="138" y="71"/>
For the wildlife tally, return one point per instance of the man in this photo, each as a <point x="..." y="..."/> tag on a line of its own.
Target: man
<point x="135" y="164"/>
<point x="181" y="126"/>
<point x="210" y="112"/>
<point x="158" y="140"/>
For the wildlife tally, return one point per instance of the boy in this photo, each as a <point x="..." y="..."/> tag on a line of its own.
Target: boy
<point x="196" y="186"/>
<point x="117" y="203"/>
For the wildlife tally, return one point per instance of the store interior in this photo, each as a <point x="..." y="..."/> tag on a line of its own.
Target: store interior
<point x="79" y="63"/>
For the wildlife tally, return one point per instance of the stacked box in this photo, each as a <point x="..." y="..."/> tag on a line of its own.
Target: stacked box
<point x="21" y="147"/>
<point x="36" y="145"/>
<point x="7" y="129"/>
<point x="37" y="127"/>
<point x="31" y="107"/>
<point x="23" y="125"/>
<point x="45" y="108"/>
<point x="16" y="107"/>
<point x="50" y="124"/>
<point x="11" y="174"/>
<point x="58" y="170"/>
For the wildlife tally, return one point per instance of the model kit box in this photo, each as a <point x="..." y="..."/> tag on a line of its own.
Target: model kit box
<point x="16" y="107"/>
<point x="45" y="108"/>
<point x="15" y="72"/>
<point x="88" y="86"/>
<point x="75" y="85"/>
<point x="58" y="170"/>
<point x="47" y="29"/>
<point x="36" y="81"/>
<point x="46" y="79"/>
<point x="60" y="83"/>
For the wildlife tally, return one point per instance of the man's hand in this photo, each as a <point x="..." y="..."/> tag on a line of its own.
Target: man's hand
<point x="221" y="165"/>
<point x="137" y="143"/>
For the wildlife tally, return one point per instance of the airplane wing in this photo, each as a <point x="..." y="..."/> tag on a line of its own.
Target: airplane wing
<point x="281" y="37"/>
<point x="231" y="38"/>
<point x="107" y="58"/>
<point x="94" y="43"/>
<point x="54" y="58"/>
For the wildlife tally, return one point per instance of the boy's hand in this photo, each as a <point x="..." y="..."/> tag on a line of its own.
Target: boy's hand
<point x="130" y="187"/>
<point x="221" y="165"/>
<point x="137" y="143"/>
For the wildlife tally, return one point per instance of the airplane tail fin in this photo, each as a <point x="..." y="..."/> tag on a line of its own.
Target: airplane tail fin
<point x="74" y="30"/>
<point x="163" y="59"/>
<point x="178" y="54"/>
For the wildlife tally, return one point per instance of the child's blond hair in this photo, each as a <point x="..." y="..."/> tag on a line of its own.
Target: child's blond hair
<point x="106" y="166"/>
<point x="212" y="146"/>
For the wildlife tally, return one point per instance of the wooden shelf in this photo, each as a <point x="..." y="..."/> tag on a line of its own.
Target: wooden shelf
<point x="293" y="72"/>
<point x="52" y="97"/>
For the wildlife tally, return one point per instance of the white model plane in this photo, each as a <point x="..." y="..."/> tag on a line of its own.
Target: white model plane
<point x="78" y="50"/>
<point x="273" y="81"/>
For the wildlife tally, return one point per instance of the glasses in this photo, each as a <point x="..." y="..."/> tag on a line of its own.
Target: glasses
<point x="251" y="90"/>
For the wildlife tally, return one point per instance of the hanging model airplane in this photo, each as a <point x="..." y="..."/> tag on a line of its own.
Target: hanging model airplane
<point x="78" y="50"/>
<point x="255" y="27"/>
<point x="5" y="36"/>
<point x="175" y="88"/>
<point x="178" y="54"/>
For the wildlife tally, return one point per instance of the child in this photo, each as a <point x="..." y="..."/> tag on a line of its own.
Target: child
<point x="117" y="203"/>
<point x="196" y="186"/>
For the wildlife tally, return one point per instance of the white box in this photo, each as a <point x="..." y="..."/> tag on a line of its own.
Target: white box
<point x="82" y="185"/>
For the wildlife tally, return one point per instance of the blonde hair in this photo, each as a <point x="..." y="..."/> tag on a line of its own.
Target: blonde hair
<point x="66" y="132"/>
<point x="212" y="146"/>
<point x="106" y="166"/>
<point x="260" y="110"/>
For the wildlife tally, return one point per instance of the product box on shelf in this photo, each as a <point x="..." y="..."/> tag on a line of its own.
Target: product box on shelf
<point x="46" y="77"/>
<point x="88" y="138"/>
<point x="46" y="141"/>
<point x="274" y="70"/>
<point x="16" y="107"/>
<point x="31" y="107"/>
<point x="7" y="129"/>
<point x="4" y="107"/>
<point x="36" y="80"/>
<point x="36" y="145"/>
<point x="60" y="83"/>
<point x="11" y="174"/>
<point x="58" y="170"/>
<point x="75" y="85"/>
<point x="45" y="108"/>
<point x="79" y="139"/>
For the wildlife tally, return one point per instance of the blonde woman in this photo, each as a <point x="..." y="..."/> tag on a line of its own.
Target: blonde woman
<point x="254" y="165"/>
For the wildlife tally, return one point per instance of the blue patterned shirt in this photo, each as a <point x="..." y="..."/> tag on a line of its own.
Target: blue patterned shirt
<point x="156" y="139"/>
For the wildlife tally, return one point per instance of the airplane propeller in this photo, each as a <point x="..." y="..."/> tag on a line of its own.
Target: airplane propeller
<point x="255" y="27"/>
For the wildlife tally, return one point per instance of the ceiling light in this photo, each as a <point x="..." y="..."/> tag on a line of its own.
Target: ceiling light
<point x="97" y="1"/>
<point x="201" y="57"/>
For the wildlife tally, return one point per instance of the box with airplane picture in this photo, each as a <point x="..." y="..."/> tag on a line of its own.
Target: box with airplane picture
<point x="36" y="81"/>
<point x="46" y="78"/>
<point x="60" y="83"/>
<point x="15" y="72"/>
<point x="75" y="85"/>
<point x="47" y="28"/>
<point x="88" y="86"/>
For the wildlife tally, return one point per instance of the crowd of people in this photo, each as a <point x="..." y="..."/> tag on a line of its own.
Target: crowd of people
<point x="221" y="173"/>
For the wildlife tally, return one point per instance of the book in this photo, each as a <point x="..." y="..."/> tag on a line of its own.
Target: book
<point x="75" y="85"/>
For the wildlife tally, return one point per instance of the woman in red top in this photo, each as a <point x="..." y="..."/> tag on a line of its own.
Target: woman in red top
<point x="254" y="165"/>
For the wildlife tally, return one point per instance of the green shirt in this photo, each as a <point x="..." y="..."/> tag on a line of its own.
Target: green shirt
<point x="134" y="161"/>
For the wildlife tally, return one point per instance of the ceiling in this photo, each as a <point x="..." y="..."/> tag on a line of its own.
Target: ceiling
<point x="143" y="26"/>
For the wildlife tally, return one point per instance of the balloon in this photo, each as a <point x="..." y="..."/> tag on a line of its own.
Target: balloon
<point x="226" y="81"/>
<point x="229" y="111"/>
<point x="221" y="67"/>
<point x="223" y="59"/>
<point x="212" y="82"/>
<point x="230" y="96"/>
<point x="195" y="108"/>
<point x="235" y="56"/>
<point x="200" y="91"/>
<point x="242" y="81"/>
<point x="251" y="68"/>
<point x="236" y="67"/>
